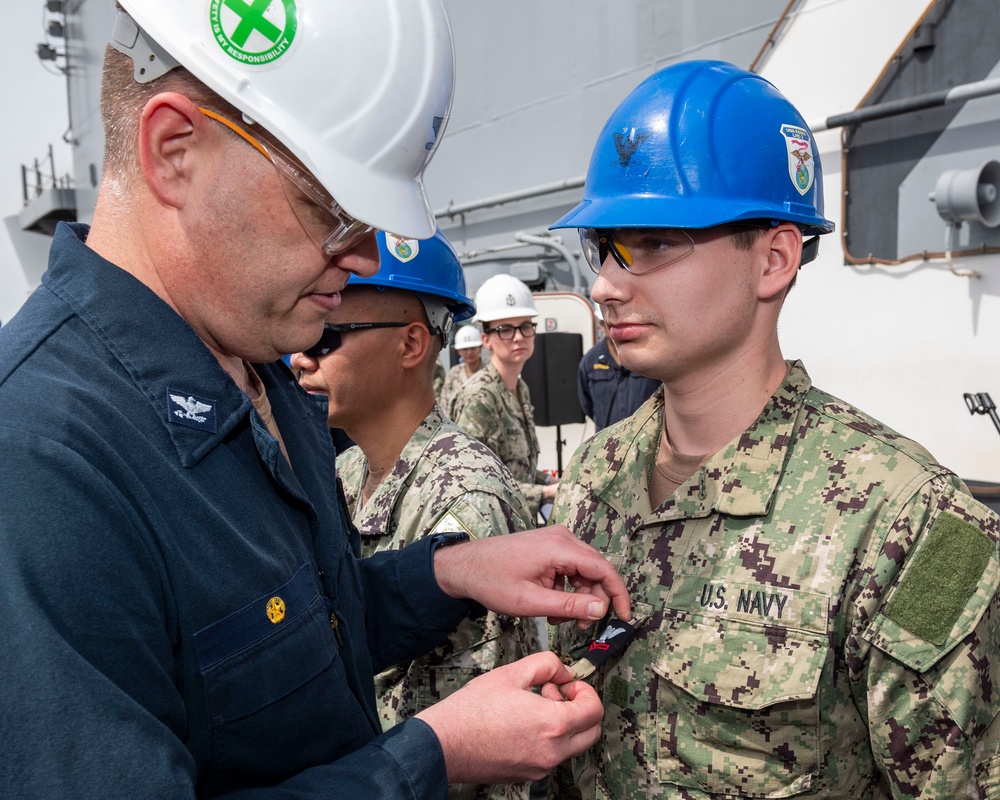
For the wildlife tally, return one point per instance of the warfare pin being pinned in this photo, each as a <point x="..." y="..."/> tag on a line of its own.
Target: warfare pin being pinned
<point x="612" y="641"/>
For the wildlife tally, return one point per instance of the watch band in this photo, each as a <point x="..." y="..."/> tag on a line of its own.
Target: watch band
<point x="446" y="539"/>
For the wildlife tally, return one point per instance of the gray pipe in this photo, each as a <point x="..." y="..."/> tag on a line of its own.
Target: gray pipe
<point x="957" y="94"/>
<point x="561" y="249"/>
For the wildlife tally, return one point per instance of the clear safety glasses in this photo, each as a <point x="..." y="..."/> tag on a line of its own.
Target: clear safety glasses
<point x="332" y="336"/>
<point x="320" y="216"/>
<point x="638" y="250"/>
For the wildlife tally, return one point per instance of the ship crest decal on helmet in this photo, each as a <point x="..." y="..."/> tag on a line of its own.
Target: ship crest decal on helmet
<point x="401" y="248"/>
<point x="800" y="157"/>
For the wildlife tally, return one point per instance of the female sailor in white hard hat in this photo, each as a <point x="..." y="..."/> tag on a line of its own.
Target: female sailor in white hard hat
<point x="494" y="405"/>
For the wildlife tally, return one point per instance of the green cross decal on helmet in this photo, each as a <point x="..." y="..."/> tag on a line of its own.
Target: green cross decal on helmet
<point x="283" y="63"/>
<point x="254" y="31"/>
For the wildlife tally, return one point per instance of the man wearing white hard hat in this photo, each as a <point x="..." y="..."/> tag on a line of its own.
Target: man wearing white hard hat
<point x="469" y="344"/>
<point x="187" y="613"/>
<point x="494" y="405"/>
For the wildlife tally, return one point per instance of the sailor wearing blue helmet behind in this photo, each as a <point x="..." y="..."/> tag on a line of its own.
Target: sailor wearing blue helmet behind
<point x="415" y="473"/>
<point x="187" y="613"/>
<point x="815" y="598"/>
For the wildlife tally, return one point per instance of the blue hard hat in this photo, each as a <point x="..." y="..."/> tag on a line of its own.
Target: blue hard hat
<point x="428" y="267"/>
<point x="698" y="144"/>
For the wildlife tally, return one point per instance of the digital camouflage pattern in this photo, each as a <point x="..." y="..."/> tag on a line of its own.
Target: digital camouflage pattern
<point x="437" y="382"/>
<point x="443" y="481"/>
<point x="819" y="614"/>
<point x="487" y="411"/>
<point x="456" y="378"/>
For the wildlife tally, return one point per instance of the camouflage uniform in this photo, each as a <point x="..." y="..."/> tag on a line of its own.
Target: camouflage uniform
<point x="443" y="481"/>
<point x="487" y="411"/>
<point x="456" y="378"/>
<point x="820" y="613"/>
<point x="438" y="380"/>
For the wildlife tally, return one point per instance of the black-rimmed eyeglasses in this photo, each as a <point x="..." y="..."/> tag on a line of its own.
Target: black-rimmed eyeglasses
<point x="506" y="332"/>
<point x="332" y="336"/>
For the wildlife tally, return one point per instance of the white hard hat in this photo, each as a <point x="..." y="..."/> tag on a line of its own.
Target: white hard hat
<point x="504" y="297"/>
<point x="468" y="336"/>
<point x="359" y="90"/>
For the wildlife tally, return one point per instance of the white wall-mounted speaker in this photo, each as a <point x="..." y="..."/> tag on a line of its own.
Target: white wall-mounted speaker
<point x="969" y="194"/>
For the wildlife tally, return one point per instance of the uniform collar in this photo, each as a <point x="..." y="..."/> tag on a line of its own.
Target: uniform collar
<point x="196" y="400"/>
<point x="513" y="400"/>
<point x="388" y="491"/>
<point x="414" y="448"/>
<point x="490" y="373"/>
<point x="741" y="479"/>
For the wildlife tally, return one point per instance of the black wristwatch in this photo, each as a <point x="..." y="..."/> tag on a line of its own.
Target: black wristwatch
<point x="476" y="611"/>
<point x="446" y="539"/>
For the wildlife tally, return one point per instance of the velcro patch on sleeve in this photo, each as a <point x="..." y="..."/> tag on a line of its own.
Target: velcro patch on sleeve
<point x="937" y="585"/>
<point x="451" y="523"/>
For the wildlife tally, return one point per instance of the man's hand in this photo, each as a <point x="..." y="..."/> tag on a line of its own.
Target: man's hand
<point x="524" y="575"/>
<point x="495" y="729"/>
<point x="549" y="492"/>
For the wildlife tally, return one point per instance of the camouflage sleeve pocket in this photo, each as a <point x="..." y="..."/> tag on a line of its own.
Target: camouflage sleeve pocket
<point x="738" y="708"/>
<point x="940" y="596"/>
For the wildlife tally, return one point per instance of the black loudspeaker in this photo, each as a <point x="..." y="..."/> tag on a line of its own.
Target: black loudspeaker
<point x="551" y="377"/>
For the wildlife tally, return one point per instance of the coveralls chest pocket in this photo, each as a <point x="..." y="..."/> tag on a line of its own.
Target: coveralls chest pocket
<point x="273" y="661"/>
<point x="738" y="706"/>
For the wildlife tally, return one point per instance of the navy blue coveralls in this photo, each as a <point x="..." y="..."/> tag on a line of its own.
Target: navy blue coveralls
<point x="184" y="613"/>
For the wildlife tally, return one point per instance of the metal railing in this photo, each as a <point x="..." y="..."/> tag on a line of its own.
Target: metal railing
<point x="40" y="176"/>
